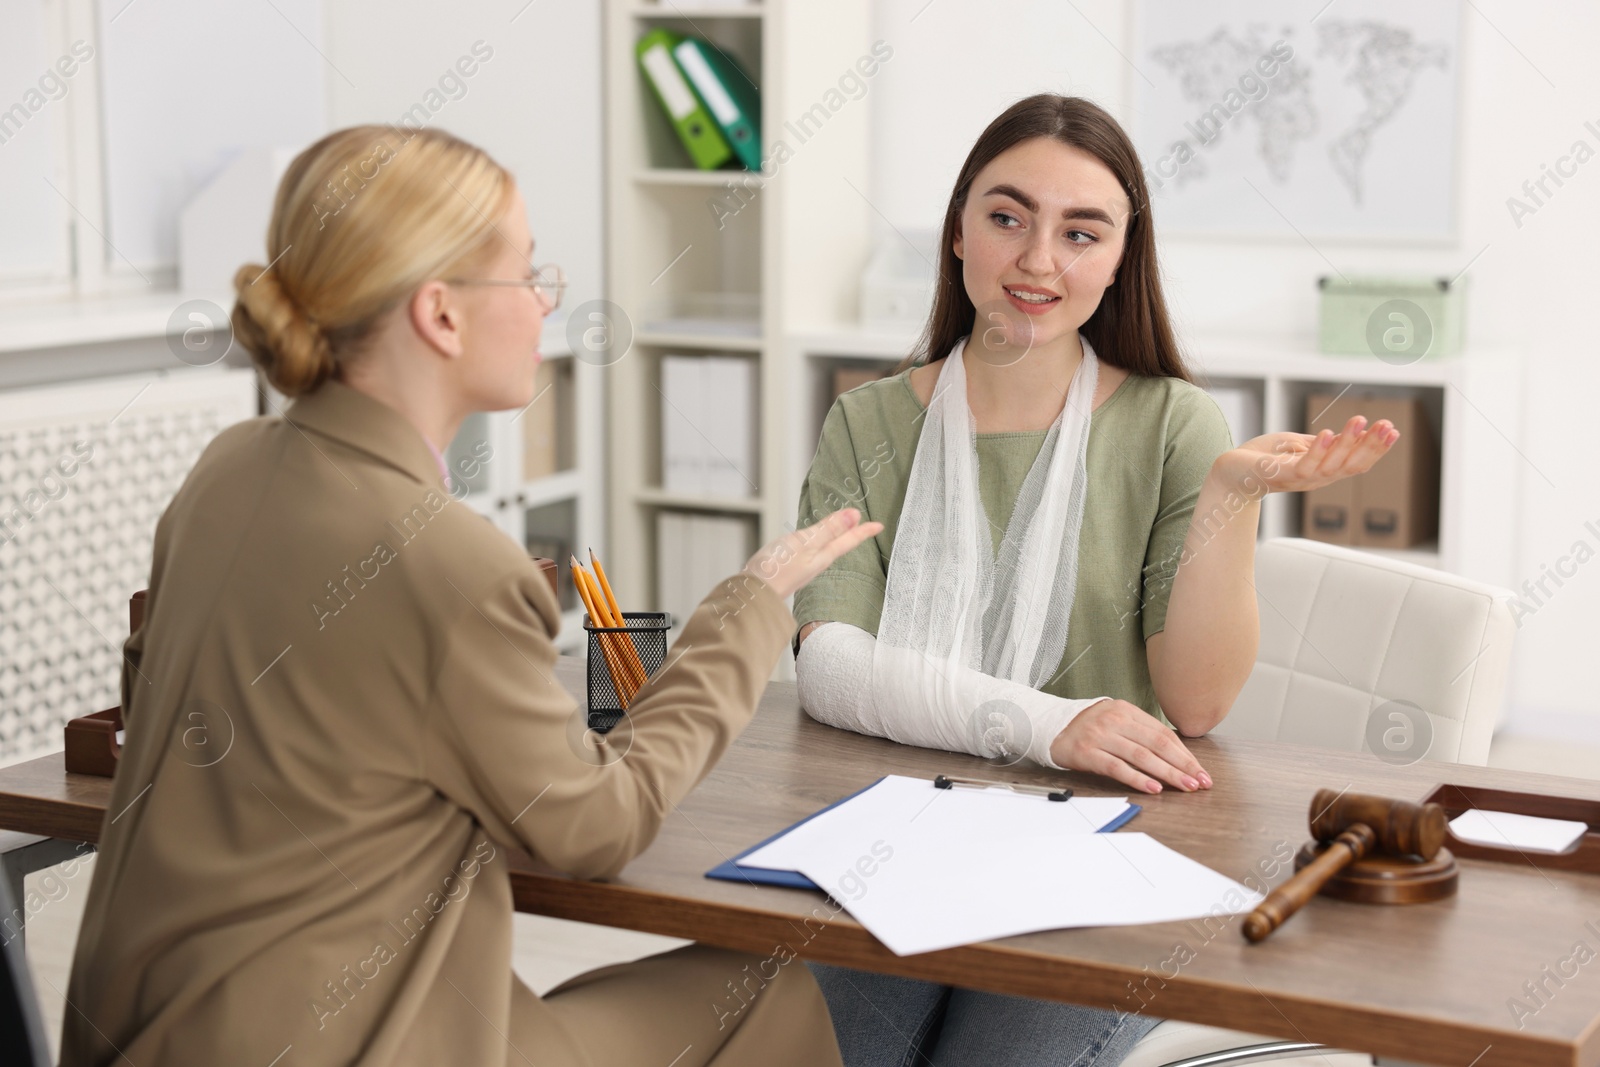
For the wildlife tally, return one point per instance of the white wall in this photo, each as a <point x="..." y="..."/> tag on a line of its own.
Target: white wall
<point x="534" y="104"/>
<point x="1529" y="83"/>
<point x="183" y="90"/>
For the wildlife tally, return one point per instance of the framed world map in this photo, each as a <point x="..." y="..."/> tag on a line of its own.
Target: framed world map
<point x="1307" y="118"/>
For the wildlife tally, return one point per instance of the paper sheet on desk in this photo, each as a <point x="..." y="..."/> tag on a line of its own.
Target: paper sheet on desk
<point x="916" y="895"/>
<point x="900" y="808"/>
<point x="1527" y="833"/>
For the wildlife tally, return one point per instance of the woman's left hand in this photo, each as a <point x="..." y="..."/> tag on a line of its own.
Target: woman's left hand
<point x="1296" y="462"/>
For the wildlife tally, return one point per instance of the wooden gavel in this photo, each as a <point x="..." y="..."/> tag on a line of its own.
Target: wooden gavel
<point x="1353" y="826"/>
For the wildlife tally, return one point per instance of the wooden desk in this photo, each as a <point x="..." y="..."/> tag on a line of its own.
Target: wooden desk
<point x="1430" y="983"/>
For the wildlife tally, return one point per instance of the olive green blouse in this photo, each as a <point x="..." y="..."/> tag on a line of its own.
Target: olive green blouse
<point x="1151" y="443"/>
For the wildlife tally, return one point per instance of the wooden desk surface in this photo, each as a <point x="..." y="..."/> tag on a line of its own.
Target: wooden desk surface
<point x="1433" y="983"/>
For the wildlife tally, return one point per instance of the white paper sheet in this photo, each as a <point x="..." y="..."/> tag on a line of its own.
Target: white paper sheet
<point x="900" y="809"/>
<point x="919" y="895"/>
<point x="1504" y="829"/>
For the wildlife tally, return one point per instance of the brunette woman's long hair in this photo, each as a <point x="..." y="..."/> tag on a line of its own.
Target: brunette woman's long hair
<point x="1130" y="328"/>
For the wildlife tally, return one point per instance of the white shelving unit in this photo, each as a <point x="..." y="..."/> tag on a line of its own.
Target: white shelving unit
<point x="1473" y="401"/>
<point x="792" y="251"/>
<point x="564" y="508"/>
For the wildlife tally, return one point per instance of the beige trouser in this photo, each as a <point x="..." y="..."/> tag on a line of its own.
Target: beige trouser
<point x="695" y="1006"/>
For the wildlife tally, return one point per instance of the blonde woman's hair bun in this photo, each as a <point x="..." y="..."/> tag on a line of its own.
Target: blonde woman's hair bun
<point x="285" y="343"/>
<point x="361" y="219"/>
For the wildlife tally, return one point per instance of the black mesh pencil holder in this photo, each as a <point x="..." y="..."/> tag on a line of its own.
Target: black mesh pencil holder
<point x="647" y="632"/>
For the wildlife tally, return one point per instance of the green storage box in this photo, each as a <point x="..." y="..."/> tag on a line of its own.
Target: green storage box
<point x="1399" y="320"/>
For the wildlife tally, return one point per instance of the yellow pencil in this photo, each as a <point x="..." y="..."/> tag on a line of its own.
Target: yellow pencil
<point x="619" y="642"/>
<point x="616" y="613"/>
<point x="627" y="655"/>
<point x="621" y="646"/>
<point x="614" y="665"/>
<point x="596" y="620"/>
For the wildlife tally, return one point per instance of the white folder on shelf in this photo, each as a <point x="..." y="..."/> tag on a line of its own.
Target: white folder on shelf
<point x="729" y="392"/>
<point x="708" y="428"/>
<point x="694" y="552"/>
<point x="682" y="448"/>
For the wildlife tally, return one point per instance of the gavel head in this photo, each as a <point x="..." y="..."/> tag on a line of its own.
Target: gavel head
<point x="1402" y="827"/>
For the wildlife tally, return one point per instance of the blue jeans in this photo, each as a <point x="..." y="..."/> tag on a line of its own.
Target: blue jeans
<point x="886" y="1021"/>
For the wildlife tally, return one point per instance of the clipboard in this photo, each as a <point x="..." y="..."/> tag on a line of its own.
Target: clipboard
<point x="730" y="871"/>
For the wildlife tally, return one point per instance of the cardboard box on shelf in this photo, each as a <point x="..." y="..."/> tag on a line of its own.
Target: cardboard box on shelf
<point x="1330" y="513"/>
<point x="1396" y="503"/>
<point x="547" y="424"/>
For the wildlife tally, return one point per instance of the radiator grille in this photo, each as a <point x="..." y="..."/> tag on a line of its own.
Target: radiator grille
<point x="85" y="472"/>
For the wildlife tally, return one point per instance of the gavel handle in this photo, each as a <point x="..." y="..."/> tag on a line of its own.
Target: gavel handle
<point x="1286" y="899"/>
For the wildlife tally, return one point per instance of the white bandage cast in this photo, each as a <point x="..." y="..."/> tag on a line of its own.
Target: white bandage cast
<point x="967" y="637"/>
<point x="964" y="711"/>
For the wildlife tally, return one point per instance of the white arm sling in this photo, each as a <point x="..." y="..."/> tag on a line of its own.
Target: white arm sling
<point x="967" y="636"/>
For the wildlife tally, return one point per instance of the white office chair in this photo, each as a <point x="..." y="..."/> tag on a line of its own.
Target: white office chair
<point x="1359" y="652"/>
<point x="1349" y="638"/>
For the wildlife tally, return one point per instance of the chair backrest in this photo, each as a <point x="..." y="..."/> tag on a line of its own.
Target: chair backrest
<point x="1354" y="642"/>
<point x="22" y="1037"/>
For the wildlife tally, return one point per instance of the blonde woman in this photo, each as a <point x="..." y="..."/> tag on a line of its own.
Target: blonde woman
<point x="1066" y="568"/>
<point x="324" y="879"/>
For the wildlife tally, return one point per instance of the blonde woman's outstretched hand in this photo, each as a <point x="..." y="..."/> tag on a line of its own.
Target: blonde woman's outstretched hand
<point x="794" y="559"/>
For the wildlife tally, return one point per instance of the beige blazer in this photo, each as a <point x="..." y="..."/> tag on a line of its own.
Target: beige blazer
<point x="340" y="716"/>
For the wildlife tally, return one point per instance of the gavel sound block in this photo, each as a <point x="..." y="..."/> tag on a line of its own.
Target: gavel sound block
<point x="1368" y="849"/>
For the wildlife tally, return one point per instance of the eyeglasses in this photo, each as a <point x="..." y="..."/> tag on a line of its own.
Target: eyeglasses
<point x="549" y="282"/>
